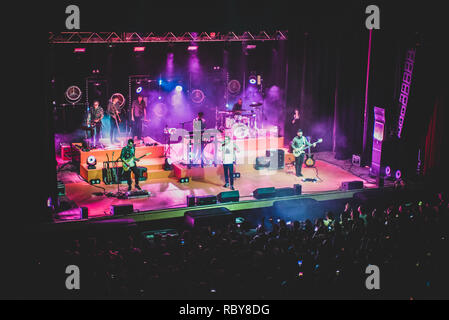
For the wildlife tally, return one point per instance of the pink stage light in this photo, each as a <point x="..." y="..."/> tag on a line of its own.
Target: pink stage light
<point x="79" y="50"/>
<point x="250" y="46"/>
<point x="139" y="49"/>
<point x="192" y="48"/>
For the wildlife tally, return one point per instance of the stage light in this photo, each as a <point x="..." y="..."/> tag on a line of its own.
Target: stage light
<point x="160" y="82"/>
<point x="91" y="162"/>
<point x="192" y="48"/>
<point x="252" y="80"/>
<point x="139" y="49"/>
<point x="387" y="171"/>
<point x="184" y="180"/>
<point x="79" y="50"/>
<point x="213" y="34"/>
<point x="160" y="98"/>
<point x="139" y="90"/>
<point x="250" y="46"/>
<point x="178" y="88"/>
<point x="398" y="174"/>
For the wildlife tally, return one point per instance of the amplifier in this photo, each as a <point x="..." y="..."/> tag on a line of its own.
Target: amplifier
<point x="66" y="151"/>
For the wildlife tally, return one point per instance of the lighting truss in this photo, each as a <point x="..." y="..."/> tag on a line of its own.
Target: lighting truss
<point x="146" y="37"/>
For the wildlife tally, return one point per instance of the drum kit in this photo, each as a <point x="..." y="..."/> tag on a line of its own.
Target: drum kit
<point x="242" y="122"/>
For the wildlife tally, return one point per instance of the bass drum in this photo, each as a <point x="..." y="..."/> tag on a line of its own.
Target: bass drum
<point x="240" y="130"/>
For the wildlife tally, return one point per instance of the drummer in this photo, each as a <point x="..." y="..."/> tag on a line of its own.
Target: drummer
<point x="237" y="108"/>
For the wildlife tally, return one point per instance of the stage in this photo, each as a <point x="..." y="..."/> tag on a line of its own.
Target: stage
<point x="167" y="192"/>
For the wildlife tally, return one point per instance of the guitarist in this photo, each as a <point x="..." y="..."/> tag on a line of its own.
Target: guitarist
<point x="300" y="142"/>
<point x="127" y="156"/>
<point x="94" y="119"/>
<point x="114" y="114"/>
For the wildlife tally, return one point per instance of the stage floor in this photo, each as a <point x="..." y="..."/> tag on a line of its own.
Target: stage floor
<point x="169" y="193"/>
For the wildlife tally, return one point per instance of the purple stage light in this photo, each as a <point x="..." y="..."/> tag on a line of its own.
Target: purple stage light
<point x="387" y="171"/>
<point x="251" y="46"/>
<point x="398" y="174"/>
<point x="79" y="50"/>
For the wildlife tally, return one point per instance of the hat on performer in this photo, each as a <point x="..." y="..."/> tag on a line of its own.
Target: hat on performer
<point x="299" y="130"/>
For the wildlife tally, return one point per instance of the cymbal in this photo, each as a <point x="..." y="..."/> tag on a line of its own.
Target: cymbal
<point x="255" y="104"/>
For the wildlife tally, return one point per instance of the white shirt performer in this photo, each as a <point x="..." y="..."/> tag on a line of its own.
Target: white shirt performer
<point x="228" y="150"/>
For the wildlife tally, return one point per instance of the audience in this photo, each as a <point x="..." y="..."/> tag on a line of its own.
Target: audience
<point x="274" y="259"/>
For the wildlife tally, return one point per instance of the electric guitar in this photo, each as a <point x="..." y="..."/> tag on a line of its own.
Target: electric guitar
<point x="298" y="151"/>
<point x="131" y="162"/>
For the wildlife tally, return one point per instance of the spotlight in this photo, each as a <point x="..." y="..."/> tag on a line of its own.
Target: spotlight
<point x="160" y="82"/>
<point x="250" y="46"/>
<point x="139" y="90"/>
<point x="91" y="162"/>
<point x="160" y="98"/>
<point x="79" y="50"/>
<point x="252" y="80"/>
<point x="184" y="180"/>
<point x="139" y="49"/>
<point x="398" y="174"/>
<point x="168" y="164"/>
<point x="178" y="88"/>
<point x="192" y="48"/>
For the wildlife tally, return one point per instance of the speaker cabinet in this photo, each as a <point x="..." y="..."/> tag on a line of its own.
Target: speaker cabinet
<point x="298" y="189"/>
<point x="207" y="217"/>
<point x="351" y="185"/>
<point x="264" y="193"/>
<point x="229" y="196"/>
<point x="84" y="212"/>
<point x="277" y="158"/>
<point x="190" y="201"/>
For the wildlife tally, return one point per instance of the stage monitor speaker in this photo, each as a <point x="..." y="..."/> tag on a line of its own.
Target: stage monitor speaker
<point x="351" y="185"/>
<point x="206" y="200"/>
<point x="285" y="192"/>
<point x="229" y="196"/>
<point x="190" y="201"/>
<point x="277" y="158"/>
<point x="298" y="189"/>
<point x="207" y="217"/>
<point x="122" y="209"/>
<point x="264" y="193"/>
<point x="84" y="213"/>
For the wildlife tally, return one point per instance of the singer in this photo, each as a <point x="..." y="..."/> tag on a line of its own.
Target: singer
<point x="228" y="150"/>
